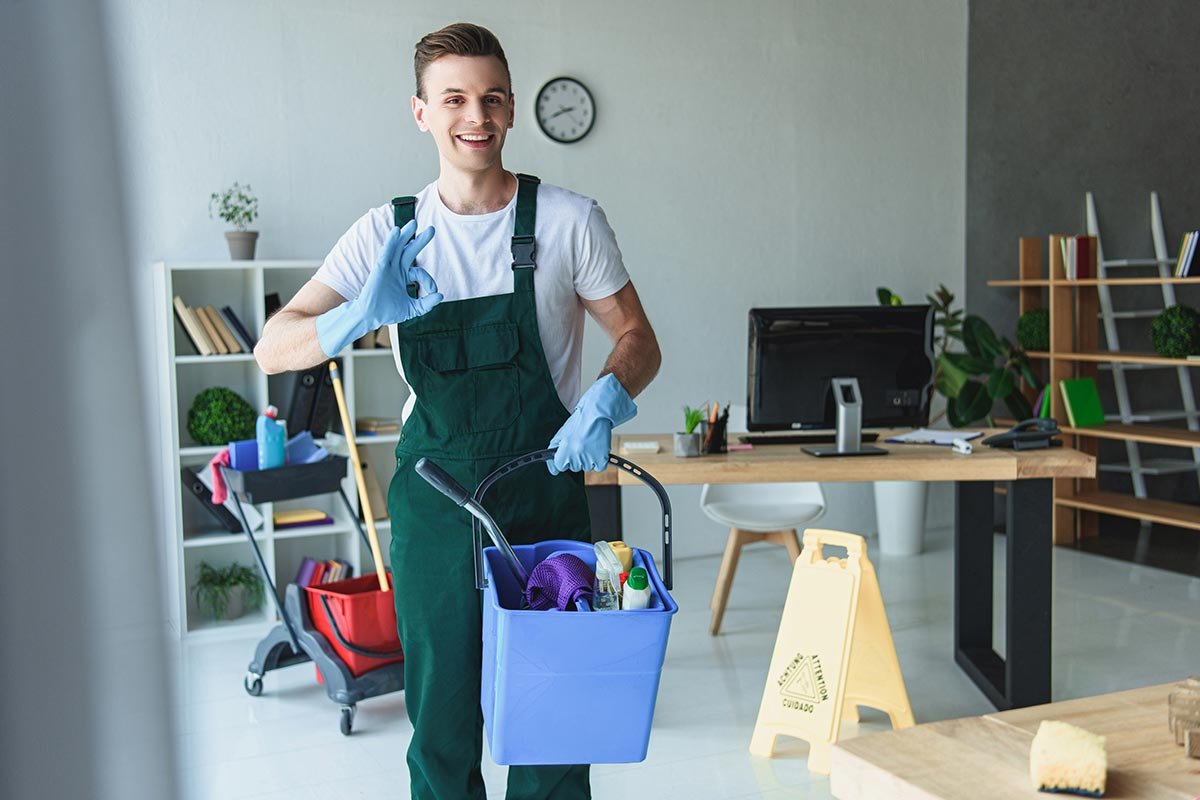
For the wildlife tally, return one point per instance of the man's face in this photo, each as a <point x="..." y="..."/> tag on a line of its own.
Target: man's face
<point x="468" y="109"/>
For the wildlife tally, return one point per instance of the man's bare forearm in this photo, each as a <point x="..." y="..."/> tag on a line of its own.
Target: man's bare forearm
<point x="289" y="342"/>
<point x="634" y="359"/>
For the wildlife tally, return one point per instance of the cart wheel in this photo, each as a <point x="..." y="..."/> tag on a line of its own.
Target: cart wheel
<point x="253" y="684"/>
<point x="347" y="719"/>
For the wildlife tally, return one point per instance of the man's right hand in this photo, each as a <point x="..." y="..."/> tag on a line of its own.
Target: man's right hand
<point x="384" y="297"/>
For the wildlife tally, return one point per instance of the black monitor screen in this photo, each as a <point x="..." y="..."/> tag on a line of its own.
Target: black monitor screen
<point x="794" y="353"/>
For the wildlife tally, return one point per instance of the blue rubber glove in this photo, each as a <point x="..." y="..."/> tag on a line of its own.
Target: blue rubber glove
<point x="384" y="297"/>
<point x="585" y="439"/>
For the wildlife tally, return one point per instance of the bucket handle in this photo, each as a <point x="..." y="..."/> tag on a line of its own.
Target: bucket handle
<point x="539" y="456"/>
<point x="362" y="651"/>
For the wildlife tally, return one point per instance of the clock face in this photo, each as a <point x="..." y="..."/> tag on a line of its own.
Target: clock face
<point x="565" y="110"/>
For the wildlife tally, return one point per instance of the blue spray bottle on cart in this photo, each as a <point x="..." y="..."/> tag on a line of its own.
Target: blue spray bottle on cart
<point x="271" y="439"/>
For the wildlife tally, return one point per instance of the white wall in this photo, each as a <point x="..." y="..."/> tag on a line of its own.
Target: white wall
<point x="758" y="153"/>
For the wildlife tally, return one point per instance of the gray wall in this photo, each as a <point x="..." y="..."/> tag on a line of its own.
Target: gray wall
<point x="1073" y="96"/>
<point x="771" y="153"/>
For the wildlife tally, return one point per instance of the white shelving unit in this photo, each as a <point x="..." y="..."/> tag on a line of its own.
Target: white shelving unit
<point x="372" y="387"/>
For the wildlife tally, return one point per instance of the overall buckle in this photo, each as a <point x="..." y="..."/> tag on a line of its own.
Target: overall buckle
<point x="524" y="251"/>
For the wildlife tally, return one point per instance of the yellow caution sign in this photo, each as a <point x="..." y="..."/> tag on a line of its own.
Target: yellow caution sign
<point x="834" y="652"/>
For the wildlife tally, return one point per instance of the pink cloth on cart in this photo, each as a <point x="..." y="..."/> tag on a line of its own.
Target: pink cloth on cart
<point x="219" y="491"/>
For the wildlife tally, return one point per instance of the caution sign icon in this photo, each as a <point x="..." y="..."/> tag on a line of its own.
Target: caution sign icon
<point x="802" y="684"/>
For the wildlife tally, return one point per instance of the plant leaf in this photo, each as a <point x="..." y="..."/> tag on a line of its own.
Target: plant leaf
<point x="969" y="363"/>
<point x="1000" y="383"/>
<point x="950" y="377"/>
<point x="979" y="338"/>
<point x="1018" y="406"/>
<point x="972" y="403"/>
<point x="885" y="295"/>
<point x="1027" y="373"/>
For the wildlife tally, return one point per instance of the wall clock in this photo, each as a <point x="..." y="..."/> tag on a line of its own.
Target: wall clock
<point x="565" y="110"/>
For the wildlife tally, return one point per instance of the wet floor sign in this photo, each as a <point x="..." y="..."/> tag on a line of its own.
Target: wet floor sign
<point x="834" y="652"/>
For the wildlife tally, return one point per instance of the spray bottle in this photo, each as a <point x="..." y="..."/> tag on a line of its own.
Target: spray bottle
<point x="271" y="439"/>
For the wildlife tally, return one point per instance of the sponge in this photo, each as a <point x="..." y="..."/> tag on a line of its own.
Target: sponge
<point x="1067" y="759"/>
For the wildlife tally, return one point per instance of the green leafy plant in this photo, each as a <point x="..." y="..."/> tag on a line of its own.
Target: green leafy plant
<point x="1033" y="330"/>
<point x="219" y="416"/>
<point x="887" y="297"/>
<point x="237" y="205"/>
<point x="691" y="419"/>
<point x="215" y="587"/>
<point x="1176" y="332"/>
<point x="987" y="373"/>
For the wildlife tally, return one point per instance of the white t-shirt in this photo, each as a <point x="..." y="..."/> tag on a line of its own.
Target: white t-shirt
<point x="471" y="256"/>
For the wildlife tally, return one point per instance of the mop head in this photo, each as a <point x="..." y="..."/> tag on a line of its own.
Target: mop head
<point x="558" y="582"/>
<point x="1068" y="760"/>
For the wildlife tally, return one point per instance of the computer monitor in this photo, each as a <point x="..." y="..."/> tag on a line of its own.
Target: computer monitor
<point x="795" y="355"/>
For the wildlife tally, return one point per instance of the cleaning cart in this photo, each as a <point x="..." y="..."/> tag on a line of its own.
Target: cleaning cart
<point x="337" y="626"/>
<point x="563" y="687"/>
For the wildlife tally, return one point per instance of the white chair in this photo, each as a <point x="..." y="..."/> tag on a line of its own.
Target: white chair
<point x="756" y="512"/>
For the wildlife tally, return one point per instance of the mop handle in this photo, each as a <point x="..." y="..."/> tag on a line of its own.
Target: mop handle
<point x="444" y="482"/>
<point x="359" y="480"/>
<point x="539" y="456"/>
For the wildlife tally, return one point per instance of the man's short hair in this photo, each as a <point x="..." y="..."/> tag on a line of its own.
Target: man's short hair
<point x="459" y="39"/>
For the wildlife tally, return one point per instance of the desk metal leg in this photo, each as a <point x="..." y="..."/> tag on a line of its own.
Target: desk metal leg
<point x="1023" y="678"/>
<point x="604" y="503"/>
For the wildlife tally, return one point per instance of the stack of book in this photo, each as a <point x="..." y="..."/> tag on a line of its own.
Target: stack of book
<point x="300" y="518"/>
<point x="376" y="426"/>
<point x="1076" y="257"/>
<point x="313" y="572"/>
<point x="374" y="339"/>
<point x="214" y="332"/>
<point x="1183" y="264"/>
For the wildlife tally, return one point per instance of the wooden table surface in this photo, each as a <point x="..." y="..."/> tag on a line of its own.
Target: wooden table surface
<point x="905" y="462"/>
<point x="988" y="756"/>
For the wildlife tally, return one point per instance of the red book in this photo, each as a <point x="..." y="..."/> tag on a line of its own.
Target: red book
<point x="1083" y="257"/>
<point x="318" y="573"/>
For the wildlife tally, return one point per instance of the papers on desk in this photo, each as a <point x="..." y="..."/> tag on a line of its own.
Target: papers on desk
<point x="929" y="436"/>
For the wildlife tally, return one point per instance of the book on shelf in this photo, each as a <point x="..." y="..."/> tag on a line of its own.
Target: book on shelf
<point x="383" y="337"/>
<point x="300" y="518"/>
<point x="1076" y="257"/>
<point x="235" y="324"/>
<point x="191" y="326"/>
<point x="271" y="304"/>
<point x="231" y="342"/>
<point x="211" y="330"/>
<point x="1081" y="401"/>
<point x="379" y="509"/>
<point x="1187" y="251"/>
<point x="305" y="573"/>
<point x="377" y="425"/>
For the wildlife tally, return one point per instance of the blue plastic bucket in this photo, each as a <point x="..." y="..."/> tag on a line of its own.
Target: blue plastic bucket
<point x="569" y="687"/>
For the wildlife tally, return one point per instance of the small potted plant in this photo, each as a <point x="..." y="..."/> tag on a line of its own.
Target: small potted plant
<point x="687" y="444"/>
<point x="238" y="206"/>
<point x="224" y="593"/>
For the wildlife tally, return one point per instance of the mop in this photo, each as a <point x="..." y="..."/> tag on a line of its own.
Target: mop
<point x="559" y="581"/>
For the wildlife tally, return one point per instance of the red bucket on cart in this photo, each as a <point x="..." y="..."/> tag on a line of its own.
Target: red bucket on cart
<point x="354" y="615"/>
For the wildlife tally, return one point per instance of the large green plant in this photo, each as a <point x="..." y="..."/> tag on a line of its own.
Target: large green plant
<point x="987" y="373"/>
<point x="219" y="416"/>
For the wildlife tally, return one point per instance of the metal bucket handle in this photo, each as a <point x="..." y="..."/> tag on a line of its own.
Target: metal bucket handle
<point x="539" y="456"/>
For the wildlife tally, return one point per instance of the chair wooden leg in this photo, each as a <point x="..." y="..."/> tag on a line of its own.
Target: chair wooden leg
<point x="792" y="542"/>
<point x="733" y="549"/>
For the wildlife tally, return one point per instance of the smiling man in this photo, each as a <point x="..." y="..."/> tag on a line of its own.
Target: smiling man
<point x="486" y="319"/>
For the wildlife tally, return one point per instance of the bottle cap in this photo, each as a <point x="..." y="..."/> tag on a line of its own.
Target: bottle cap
<point x="271" y="411"/>
<point x="638" y="579"/>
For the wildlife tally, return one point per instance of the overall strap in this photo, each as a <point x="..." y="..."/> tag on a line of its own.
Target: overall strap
<point x="404" y="210"/>
<point x="524" y="246"/>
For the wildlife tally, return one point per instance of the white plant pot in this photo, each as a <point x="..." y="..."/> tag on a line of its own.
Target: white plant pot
<point x="900" y="515"/>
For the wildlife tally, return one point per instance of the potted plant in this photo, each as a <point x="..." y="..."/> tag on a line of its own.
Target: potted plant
<point x="219" y="416"/>
<point x="687" y="444"/>
<point x="238" y="206"/>
<point x="224" y="593"/>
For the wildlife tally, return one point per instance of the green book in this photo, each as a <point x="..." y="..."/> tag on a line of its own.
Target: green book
<point x="1082" y="402"/>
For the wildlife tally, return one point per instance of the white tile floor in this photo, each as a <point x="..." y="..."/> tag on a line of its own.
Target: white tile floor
<point x="1116" y="626"/>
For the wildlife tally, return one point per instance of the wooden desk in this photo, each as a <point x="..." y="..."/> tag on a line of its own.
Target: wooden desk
<point x="1023" y="679"/>
<point x="988" y="756"/>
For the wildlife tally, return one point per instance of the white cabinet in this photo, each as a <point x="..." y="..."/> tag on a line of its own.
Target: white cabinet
<point x="191" y="535"/>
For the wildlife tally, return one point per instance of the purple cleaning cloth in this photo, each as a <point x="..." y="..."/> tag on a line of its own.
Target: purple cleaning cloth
<point x="558" y="582"/>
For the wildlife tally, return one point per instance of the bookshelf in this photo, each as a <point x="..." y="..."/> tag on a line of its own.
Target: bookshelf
<point x="1075" y="353"/>
<point x="191" y="535"/>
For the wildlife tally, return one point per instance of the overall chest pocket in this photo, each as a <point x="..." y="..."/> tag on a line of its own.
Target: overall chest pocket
<point x="470" y="382"/>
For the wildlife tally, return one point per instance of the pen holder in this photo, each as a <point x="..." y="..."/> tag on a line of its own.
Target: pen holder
<point x="712" y="437"/>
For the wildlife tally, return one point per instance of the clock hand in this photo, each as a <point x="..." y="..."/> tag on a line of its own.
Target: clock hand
<point x="562" y="110"/>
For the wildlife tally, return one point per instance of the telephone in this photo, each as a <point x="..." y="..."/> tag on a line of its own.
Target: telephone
<point x="1032" y="434"/>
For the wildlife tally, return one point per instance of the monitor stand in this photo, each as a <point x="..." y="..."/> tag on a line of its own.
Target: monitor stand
<point x="849" y="424"/>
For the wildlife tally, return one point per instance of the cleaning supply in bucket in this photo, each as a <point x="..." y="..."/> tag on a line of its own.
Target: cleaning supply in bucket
<point x="270" y="436"/>
<point x="624" y="555"/>
<point x="636" y="593"/>
<point x="559" y="582"/>
<point x="607" y="596"/>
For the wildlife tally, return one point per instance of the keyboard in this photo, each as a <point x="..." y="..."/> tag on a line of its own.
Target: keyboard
<point x="799" y="438"/>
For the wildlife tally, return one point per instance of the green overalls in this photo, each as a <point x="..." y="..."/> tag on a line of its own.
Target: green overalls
<point x="484" y="395"/>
